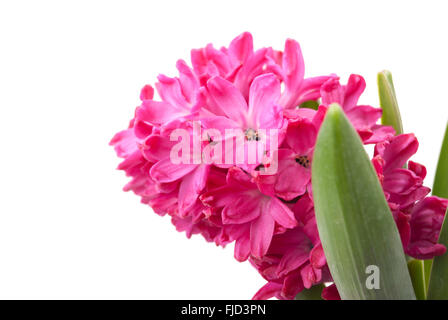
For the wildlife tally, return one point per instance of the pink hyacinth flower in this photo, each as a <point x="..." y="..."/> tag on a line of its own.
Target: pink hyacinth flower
<point x="260" y="114"/>
<point x="244" y="205"/>
<point x="426" y="221"/>
<point x="362" y="117"/>
<point x="270" y="217"/>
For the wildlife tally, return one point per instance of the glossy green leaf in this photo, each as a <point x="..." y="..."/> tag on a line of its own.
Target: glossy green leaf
<point x="388" y="102"/>
<point x="416" y="270"/>
<point x="440" y="187"/>
<point x="354" y="221"/>
<point x="438" y="283"/>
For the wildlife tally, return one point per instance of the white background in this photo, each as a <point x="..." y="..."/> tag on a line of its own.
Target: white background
<point x="70" y="75"/>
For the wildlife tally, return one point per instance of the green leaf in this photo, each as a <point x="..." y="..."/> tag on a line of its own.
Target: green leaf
<point x="354" y="221"/>
<point x="310" y="104"/>
<point x="440" y="187"/>
<point x="313" y="293"/>
<point x="388" y="102"/>
<point x="438" y="283"/>
<point x="416" y="270"/>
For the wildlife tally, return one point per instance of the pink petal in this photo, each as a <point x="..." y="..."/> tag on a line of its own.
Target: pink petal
<point x="378" y="164"/>
<point x="125" y="143"/>
<point x="364" y="116"/>
<point x="237" y="177"/>
<point x="242" y="248"/>
<point x="163" y="203"/>
<point x="317" y="257"/>
<point x="228" y="99"/>
<point x="241" y="47"/>
<point x="426" y="222"/>
<point x="218" y="197"/>
<point x="191" y="186"/>
<point x="380" y="133"/>
<point x="401" y="181"/>
<point x="400" y="149"/>
<point x="156" y="112"/>
<point x="295" y="114"/>
<point x="132" y="161"/>
<point x="170" y="91"/>
<point x="310" y="89"/>
<point x="156" y="148"/>
<point x="209" y="62"/>
<point x="142" y="129"/>
<point x="199" y="62"/>
<point x="220" y="123"/>
<point x="330" y="293"/>
<point x="238" y="183"/>
<point x="425" y="250"/>
<point x="218" y="58"/>
<point x="319" y="116"/>
<point x="292" y="260"/>
<point x="166" y="171"/>
<point x="301" y="136"/>
<point x="253" y="67"/>
<point x="261" y="231"/>
<point x="332" y="92"/>
<point x="406" y="200"/>
<point x="292" y="285"/>
<point x="263" y="95"/>
<point x="188" y="81"/>
<point x="268" y="291"/>
<point x="403" y="226"/>
<point x="418" y="169"/>
<point x="353" y="90"/>
<point x="282" y="214"/>
<point x="147" y="93"/>
<point x="241" y="210"/>
<point x="310" y="276"/>
<point x="292" y="178"/>
<point x="294" y="71"/>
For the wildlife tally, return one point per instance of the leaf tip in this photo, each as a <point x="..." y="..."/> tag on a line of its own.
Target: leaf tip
<point x="334" y="109"/>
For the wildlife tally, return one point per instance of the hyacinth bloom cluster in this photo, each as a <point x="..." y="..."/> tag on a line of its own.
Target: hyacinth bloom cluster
<point x="267" y="214"/>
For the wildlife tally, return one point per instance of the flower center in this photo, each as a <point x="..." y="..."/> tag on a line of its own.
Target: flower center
<point x="251" y="135"/>
<point x="303" y="161"/>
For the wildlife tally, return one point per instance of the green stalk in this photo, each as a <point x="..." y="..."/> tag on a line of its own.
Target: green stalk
<point x="388" y="102"/>
<point x="416" y="270"/>
<point x="427" y="269"/>
<point x="354" y="221"/>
